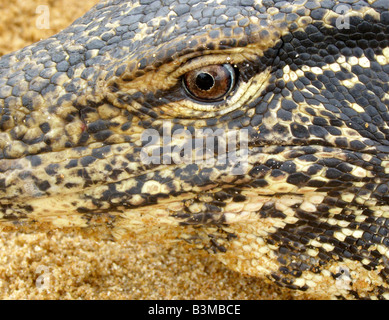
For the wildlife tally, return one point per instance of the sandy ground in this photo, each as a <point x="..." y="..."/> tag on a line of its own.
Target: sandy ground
<point x="59" y="265"/>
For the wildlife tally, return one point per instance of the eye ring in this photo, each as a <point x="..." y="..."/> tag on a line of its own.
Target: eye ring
<point x="210" y="83"/>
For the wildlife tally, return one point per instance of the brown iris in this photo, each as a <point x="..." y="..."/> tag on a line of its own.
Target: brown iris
<point x="210" y="83"/>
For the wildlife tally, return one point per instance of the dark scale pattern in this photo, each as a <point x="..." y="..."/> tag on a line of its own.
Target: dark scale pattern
<point x="307" y="208"/>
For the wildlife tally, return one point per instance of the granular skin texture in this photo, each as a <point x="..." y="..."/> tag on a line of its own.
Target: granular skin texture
<point x="76" y="266"/>
<point x="82" y="268"/>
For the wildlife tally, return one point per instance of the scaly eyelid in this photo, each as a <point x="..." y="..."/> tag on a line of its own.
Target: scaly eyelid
<point x="200" y="62"/>
<point x="233" y="57"/>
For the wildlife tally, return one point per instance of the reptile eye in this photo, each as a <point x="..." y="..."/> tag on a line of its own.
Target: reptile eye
<point x="210" y="83"/>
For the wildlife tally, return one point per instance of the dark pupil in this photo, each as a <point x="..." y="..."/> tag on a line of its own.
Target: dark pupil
<point x="204" y="81"/>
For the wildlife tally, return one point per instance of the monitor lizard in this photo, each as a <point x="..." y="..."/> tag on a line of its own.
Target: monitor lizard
<point x="122" y="124"/>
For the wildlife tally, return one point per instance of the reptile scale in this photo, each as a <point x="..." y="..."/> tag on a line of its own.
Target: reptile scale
<point x="99" y="129"/>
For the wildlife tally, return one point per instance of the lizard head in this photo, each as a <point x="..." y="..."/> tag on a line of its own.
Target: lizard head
<point x="258" y="127"/>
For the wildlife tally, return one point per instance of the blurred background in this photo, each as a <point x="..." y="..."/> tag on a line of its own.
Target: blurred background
<point x="19" y="18"/>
